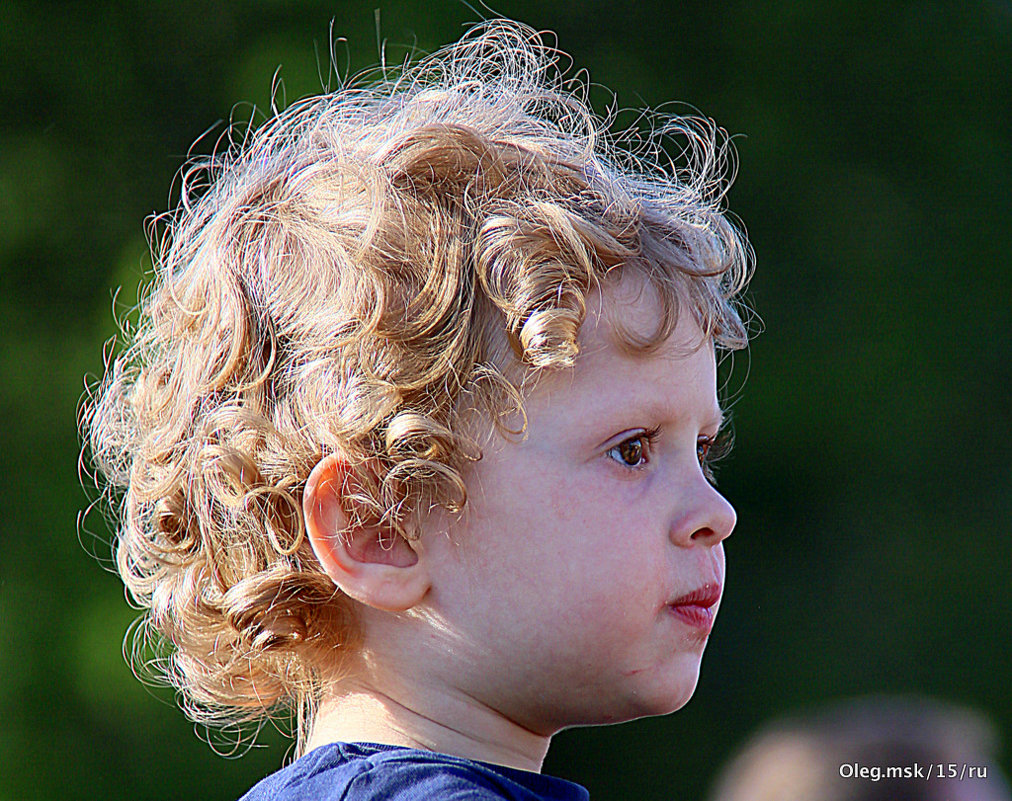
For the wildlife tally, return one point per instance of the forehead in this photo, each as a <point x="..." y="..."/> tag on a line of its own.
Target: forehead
<point x="677" y="378"/>
<point x="631" y="305"/>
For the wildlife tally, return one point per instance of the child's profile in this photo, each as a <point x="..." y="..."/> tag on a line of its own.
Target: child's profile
<point x="414" y="439"/>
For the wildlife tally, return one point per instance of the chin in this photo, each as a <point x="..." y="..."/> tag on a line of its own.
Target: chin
<point x="636" y="708"/>
<point x="636" y="694"/>
<point x="669" y="695"/>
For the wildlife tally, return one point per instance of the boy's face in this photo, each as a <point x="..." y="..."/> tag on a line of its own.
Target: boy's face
<point x="579" y="586"/>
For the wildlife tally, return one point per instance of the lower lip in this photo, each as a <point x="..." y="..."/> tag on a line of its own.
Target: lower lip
<point x="700" y="617"/>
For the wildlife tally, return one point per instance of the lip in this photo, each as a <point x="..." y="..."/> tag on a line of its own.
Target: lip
<point x="698" y="608"/>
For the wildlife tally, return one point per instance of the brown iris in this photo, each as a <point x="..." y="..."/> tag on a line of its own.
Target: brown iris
<point x="631" y="451"/>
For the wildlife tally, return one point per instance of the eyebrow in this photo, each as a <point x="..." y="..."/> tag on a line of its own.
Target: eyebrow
<point x="662" y="410"/>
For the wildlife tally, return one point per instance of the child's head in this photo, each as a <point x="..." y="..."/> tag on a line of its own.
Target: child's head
<point x="579" y="585"/>
<point x="368" y="294"/>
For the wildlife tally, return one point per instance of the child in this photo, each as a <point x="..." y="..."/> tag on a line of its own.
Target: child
<point x="415" y="433"/>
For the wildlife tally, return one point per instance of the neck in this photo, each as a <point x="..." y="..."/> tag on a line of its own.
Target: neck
<point x="444" y="722"/>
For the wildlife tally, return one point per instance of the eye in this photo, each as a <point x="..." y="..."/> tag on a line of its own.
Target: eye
<point x="634" y="451"/>
<point x="709" y="451"/>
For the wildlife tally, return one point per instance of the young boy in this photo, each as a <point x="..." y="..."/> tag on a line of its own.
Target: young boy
<point x="414" y="436"/>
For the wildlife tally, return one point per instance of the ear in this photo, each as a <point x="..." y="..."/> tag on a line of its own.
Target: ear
<point x="372" y="564"/>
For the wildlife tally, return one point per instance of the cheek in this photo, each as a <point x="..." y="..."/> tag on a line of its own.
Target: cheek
<point x="609" y="546"/>
<point x="555" y="537"/>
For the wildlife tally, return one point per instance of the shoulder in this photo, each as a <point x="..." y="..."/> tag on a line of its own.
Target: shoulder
<point x="358" y="772"/>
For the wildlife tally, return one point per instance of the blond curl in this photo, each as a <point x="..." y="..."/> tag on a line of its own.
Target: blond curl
<point x="353" y="276"/>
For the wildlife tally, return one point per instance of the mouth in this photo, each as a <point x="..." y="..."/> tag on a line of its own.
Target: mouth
<point x="699" y="607"/>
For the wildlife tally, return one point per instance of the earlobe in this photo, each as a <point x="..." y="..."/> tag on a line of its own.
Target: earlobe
<point x="373" y="564"/>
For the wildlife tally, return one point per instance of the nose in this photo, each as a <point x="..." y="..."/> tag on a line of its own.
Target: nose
<point x="705" y="517"/>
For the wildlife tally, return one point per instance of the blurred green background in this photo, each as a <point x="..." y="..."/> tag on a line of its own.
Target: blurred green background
<point x="872" y="475"/>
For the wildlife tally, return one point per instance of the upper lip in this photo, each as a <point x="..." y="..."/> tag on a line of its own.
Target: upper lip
<point x="705" y="595"/>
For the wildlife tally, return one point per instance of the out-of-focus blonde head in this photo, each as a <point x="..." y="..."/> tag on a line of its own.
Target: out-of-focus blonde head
<point x="876" y="748"/>
<point x="356" y="275"/>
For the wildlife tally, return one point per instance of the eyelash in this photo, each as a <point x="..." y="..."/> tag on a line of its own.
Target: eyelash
<point x="709" y="450"/>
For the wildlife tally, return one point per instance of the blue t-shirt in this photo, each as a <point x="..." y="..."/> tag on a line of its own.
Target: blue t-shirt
<point x="367" y="772"/>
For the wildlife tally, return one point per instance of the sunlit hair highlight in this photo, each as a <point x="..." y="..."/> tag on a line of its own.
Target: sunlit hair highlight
<point x="354" y="276"/>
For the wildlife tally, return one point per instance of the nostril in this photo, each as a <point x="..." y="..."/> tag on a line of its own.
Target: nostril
<point x="705" y="517"/>
<point x="703" y="534"/>
<point x="718" y="522"/>
<point x="708" y="535"/>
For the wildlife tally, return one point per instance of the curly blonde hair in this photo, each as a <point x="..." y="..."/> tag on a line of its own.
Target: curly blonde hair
<point x="354" y="276"/>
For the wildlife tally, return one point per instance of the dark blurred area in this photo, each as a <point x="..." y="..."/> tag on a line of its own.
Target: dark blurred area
<point x="872" y="472"/>
<point x="876" y="748"/>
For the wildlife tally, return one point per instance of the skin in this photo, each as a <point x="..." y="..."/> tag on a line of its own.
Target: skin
<point x="548" y="603"/>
